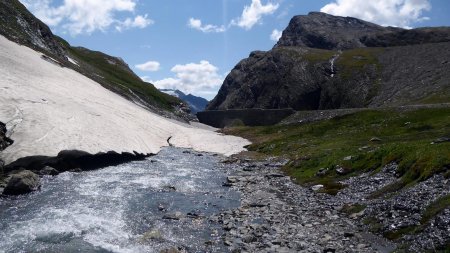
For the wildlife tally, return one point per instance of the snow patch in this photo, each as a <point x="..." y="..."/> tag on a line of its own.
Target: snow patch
<point x="79" y="113"/>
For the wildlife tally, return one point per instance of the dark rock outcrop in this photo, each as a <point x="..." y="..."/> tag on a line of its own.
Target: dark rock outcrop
<point x="21" y="183"/>
<point x="19" y="25"/>
<point x="68" y="160"/>
<point x="4" y="140"/>
<point x="324" y="31"/>
<point x="328" y="62"/>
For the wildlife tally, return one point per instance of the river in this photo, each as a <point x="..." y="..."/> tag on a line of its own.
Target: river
<point x="122" y="208"/>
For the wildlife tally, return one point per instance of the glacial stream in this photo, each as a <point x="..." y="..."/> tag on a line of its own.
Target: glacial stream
<point x="122" y="208"/>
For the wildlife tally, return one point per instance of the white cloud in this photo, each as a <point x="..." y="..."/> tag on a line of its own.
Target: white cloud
<point x="82" y="16"/>
<point x="197" y="78"/>
<point x="150" y="66"/>
<point x="197" y="24"/>
<point x="138" y="22"/>
<point x="276" y="35"/>
<point x="400" y="13"/>
<point x="253" y="14"/>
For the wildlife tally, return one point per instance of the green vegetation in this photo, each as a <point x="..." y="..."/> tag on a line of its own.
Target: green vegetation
<point x="319" y="55"/>
<point x="117" y="76"/>
<point x="312" y="55"/>
<point x="434" y="208"/>
<point x="357" y="143"/>
<point x="353" y="61"/>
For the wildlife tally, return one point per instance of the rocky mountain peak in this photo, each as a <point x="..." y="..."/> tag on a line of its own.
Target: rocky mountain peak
<point x="321" y="30"/>
<point x="324" y="31"/>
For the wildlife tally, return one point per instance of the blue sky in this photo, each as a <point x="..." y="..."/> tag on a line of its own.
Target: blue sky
<point x="192" y="44"/>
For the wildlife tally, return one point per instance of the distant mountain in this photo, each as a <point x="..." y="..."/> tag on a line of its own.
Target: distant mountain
<point x="329" y="62"/>
<point x="19" y="25"/>
<point x="197" y="104"/>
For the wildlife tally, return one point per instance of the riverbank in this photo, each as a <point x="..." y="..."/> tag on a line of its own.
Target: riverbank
<point x="387" y="171"/>
<point x="277" y="215"/>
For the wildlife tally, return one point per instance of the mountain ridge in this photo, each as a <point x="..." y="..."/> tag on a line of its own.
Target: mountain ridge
<point x="315" y="65"/>
<point x="196" y="104"/>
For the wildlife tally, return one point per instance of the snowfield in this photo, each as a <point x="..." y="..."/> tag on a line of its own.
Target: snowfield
<point x="48" y="109"/>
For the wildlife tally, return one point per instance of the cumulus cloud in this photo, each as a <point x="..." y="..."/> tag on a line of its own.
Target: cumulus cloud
<point x="201" y="79"/>
<point x="276" y="35"/>
<point x="197" y="24"/>
<point x="81" y="16"/>
<point x="138" y="22"/>
<point x="252" y="15"/>
<point x="150" y="66"/>
<point x="400" y="13"/>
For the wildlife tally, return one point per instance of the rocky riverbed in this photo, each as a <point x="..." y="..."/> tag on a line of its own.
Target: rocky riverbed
<point x="277" y="215"/>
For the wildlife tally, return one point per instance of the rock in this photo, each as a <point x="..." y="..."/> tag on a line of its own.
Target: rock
<point x="348" y="235"/>
<point x="441" y="140"/>
<point x="274" y="175"/>
<point x="153" y="235"/>
<point x="375" y="139"/>
<point x="48" y="171"/>
<point x="317" y="187"/>
<point x="170" y="250"/>
<point x="169" y="188"/>
<point x="322" y="172"/>
<point x="77" y="170"/>
<point x="173" y="216"/>
<point x="21" y="183"/>
<point x="227" y="184"/>
<point x="329" y="250"/>
<point x="342" y="170"/>
<point x="348" y="158"/>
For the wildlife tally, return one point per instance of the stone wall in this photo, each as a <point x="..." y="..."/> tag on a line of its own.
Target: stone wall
<point x="247" y="117"/>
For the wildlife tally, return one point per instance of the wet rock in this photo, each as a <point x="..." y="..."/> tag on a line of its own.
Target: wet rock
<point x="152" y="235"/>
<point x="48" y="171"/>
<point x="169" y="188"/>
<point x="21" y="183"/>
<point x="173" y="216"/>
<point x="170" y="250"/>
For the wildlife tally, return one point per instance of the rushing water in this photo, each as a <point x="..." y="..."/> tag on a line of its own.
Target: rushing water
<point x="119" y="209"/>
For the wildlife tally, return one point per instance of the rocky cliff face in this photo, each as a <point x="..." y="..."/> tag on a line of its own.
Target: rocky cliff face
<point x="20" y="26"/>
<point x="328" y="62"/>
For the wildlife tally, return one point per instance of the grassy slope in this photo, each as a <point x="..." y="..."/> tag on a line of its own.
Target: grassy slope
<point x="120" y="79"/>
<point x="405" y="138"/>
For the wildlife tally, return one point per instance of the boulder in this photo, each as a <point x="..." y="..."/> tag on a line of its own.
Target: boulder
<point x="48" y="171"/>
<point x="21" y="183"/>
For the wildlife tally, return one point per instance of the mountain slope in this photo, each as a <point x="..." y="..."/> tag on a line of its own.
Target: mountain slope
<point x="19" y="25"/>
<point x="328" y="62"/>
<point x="196" y="104"/>
<point x="48" y="108"/>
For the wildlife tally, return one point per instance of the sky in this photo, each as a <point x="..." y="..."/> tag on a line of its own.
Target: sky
<point x="192" y="45"/>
